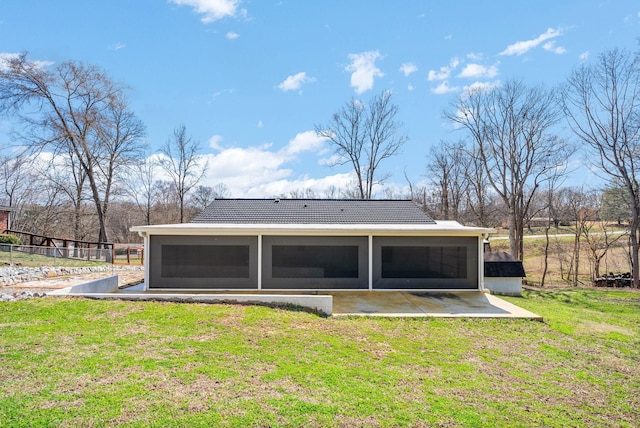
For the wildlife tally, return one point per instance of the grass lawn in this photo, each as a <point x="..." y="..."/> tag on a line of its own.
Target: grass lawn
<point x="26" y="259"/>
<point x="72" y="362"/>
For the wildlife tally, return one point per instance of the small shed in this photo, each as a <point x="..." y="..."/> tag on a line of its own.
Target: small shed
<point x="502" y="273"/>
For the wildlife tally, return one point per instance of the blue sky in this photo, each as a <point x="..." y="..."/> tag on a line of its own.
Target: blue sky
<point x="251" y="78"/>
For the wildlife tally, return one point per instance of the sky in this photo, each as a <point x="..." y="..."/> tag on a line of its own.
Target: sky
<point x="250" y="79"/>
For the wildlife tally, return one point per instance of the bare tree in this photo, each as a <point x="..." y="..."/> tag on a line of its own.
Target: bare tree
<point x="548" y="198"/>
<point x="510" y="126"/>
<point x="182" y="162"/>
<point x="203" y="196"/>
<point x="14" y="176"/>
<point x="141" y="186"/>
<point x="364" y="136"/>
<point x="480" y="202"/>
<point x="597" y="234"/>
<point x="66" y="174"/>
<point x="73" y="108"/>
<point x="447" y="171"/>
<point x="602" y="103"/>
<point x="166" y="208"/>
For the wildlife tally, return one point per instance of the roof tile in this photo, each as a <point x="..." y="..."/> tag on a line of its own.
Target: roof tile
<point x="313" y="211"/>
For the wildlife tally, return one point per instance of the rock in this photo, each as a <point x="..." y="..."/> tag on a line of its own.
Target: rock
<point x="7" y="297"/>
<point x="21" y="295"/>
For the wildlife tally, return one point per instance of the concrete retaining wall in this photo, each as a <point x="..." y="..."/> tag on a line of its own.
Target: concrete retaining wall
<point x="107" y="288"/>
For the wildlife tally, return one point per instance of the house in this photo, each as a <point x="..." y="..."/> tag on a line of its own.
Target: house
<point x="313" y="244"/>
<point x="5" y="216"/>
<point x="503" y="274"/>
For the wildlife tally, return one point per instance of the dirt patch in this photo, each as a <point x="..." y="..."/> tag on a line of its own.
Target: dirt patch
<point x="125" y="278"/>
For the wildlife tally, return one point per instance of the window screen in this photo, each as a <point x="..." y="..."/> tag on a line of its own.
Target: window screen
<point x="424" y="262"/>
<point x="205" y="261"/>
<point x="314" y="261"/>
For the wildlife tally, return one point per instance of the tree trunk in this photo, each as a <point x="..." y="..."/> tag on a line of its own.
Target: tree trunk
<point x="546" y="254"/>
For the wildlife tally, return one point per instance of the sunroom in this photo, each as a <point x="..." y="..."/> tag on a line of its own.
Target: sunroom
<point x="313" y="244"/>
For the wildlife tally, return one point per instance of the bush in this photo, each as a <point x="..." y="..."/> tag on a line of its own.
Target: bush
<point x="5" y="238"/>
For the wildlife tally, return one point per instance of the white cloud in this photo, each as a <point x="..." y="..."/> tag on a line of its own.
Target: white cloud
<point x="214" y="142"/>
<point x="231" y="35"/>
<point x="295" y="81"/>
<point x="481" y="86"/>
<point x="410" y="87"/>
<point x="363" y="70"/>
<point x="476" y="71"/>
<point x="8" y="56"/>
<point x="320" y="187"/>
<point x="308" y="141"/>
<point x="227" y="91"/>
<point x="444" y="72"/>
<point x="260" y="124"/>
<point x="522" y="47"/>
<point x="551" y="47"/>
<point x="261" y="171"/>
<point x="212" y="10"/>
<point x="444" y="88"/>
<point x="117" y="46"/>
<point x="408" y="68"/>
<point x="584" y="56"/>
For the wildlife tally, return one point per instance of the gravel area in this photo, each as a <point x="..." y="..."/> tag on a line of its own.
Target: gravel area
<point x="56" y="278"/>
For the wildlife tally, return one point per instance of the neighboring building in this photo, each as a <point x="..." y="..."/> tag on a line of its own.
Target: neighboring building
<point x="313" y="244"/>
<point x="5" y="217"/>
<point x="502" y="273"/>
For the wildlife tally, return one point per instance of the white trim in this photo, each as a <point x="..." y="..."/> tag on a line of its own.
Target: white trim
<point x="145" y="259"/>
<point x="481" y="263"/>
<point x="370" y="262"/>
<point x="448" y="228"/>
<point x="259" y="261"/>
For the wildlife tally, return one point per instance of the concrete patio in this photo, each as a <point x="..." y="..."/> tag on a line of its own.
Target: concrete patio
<point x="471" y="304"/>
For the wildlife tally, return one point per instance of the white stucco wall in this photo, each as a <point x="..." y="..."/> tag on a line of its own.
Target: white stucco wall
<point x="509" y="286"/>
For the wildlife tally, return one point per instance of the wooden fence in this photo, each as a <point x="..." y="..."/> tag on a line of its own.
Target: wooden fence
<point x="78" y="249"/>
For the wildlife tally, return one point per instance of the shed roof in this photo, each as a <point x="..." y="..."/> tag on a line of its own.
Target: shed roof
<point x="498" y="264"/>
<point x="313" y="211"/>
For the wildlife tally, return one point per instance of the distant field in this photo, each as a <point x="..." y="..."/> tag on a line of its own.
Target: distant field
<point x="68" y="362"/>
<point x="560" y="256"/>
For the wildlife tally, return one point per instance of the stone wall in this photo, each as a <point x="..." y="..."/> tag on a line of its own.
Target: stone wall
<point x="16" y="275"/>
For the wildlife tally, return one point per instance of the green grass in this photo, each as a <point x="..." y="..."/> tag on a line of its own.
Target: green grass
<point x="71" y="362"/>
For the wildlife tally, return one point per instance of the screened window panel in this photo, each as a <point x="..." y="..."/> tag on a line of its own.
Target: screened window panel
<point x="424" y="262"/>
<point x="314" y="261"/>
<point x="205" y="261"/>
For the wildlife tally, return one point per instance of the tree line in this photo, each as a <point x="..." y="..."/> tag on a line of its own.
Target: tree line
<point x="508" y="165"/>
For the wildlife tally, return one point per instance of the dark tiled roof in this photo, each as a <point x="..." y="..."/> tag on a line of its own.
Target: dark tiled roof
<point x="313" y="211"/>
<point x="498" y="264"/>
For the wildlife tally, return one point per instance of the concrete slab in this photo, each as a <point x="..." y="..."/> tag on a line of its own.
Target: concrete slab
<point x="425" y="304"/>
<point x="469" y="304"/>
